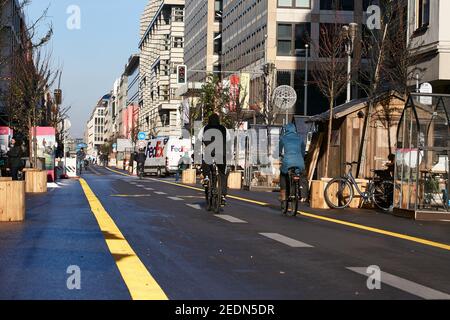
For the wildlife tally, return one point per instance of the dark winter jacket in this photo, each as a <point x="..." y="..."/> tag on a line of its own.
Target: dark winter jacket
<point x="15" y="157"/>
<point x="292" y="147"/>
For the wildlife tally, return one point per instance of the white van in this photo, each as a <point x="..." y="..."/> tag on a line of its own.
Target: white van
<point x="163" y="155"/>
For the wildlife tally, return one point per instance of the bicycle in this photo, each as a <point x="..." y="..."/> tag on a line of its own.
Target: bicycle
<point x="141" y="172"/>
<point x="213" y="189"/>
<point x="289" y="207"/>
<point x="339" y="192"/>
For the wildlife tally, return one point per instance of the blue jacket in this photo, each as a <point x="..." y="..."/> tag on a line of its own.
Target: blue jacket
<point x="292" y="147"/>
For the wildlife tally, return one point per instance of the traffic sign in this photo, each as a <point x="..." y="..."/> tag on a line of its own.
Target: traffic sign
<point x="142" y="136"/>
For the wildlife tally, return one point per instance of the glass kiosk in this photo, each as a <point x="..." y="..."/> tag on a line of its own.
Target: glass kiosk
<point x="422" y="158"/>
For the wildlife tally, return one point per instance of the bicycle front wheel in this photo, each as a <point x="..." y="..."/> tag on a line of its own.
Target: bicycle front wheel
<point x="339" y="193"/>
<point x="384" y="195"/>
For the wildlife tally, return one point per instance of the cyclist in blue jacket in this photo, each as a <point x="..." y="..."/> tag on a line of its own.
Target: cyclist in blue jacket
<point x="292" y="154"/>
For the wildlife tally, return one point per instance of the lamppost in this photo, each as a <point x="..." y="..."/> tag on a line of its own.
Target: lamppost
<point x="349" y="34"/>
<point x="306" y="78"/>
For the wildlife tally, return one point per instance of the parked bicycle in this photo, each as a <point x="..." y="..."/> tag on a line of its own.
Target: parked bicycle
<point x="340" y="192"/>
<point x="289" y="207"/>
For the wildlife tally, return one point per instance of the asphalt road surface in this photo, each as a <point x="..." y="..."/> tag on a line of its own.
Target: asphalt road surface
<point x="152" y="239"/>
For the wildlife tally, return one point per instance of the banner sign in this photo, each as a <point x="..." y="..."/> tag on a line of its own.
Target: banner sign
<point x="5" y="136"/>
<point x="46" y="145"/>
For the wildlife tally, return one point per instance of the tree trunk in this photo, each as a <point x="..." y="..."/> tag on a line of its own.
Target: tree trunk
<point x="330" y="130"/>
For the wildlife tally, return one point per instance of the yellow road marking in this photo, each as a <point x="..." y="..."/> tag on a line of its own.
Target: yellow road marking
<point x="140" y="283"/>
<point x="336" y="221"/>
<point x="379" y="231"/>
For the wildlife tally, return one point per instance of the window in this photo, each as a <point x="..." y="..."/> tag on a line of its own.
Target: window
<point x="294" y="3"/>
<point x="178" y="42"/>
<point x="344" y="5"/>
<point x="284" y="40"/>
<point x="423" y="16"/>
<point x="292" y="39"/>
<point x="217" y="44"/>
<point x="178" y="14"/>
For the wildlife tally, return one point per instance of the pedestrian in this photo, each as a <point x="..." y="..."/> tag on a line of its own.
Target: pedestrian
<point x="81" y="156"/>
<point x="15" y="155"/>
<point x="183" y="164"/>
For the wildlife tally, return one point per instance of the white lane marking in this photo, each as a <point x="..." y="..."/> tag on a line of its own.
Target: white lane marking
<point x="175" y="198"/>
<point x="149" y="189"/>
<point x="195" y="206"/>
<point x="285" y="240"/>
<point x="406" y="285"/>
<point x="230" y="219"/>
<point x="140" y="186"/>
<point x="160" y="192"/>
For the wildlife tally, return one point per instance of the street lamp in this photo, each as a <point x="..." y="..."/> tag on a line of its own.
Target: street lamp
<point x="349" y="34"/>
<point x="306" y="79"/>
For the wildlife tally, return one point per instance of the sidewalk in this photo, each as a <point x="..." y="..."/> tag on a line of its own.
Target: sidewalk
<point x="59" y="231"/>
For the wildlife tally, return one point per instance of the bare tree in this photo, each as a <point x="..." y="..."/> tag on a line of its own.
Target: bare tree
<point x="330" y="72"/>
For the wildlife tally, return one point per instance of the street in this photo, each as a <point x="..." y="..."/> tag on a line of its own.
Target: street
<point x="153" y="239"/>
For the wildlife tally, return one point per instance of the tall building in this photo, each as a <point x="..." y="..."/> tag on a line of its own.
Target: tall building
<point x="13" y="46"/>
<point x="94" y="135"/>
<point x="161" y="51"/>
<point x="260" y="32"/>
<point x="429" y="32"/>
<point x="130" y="114"/>
<point x="203" y="48"/>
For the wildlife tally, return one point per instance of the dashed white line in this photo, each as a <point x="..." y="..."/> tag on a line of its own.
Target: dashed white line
<point x="230" y="219"/>
<point x="149" y="189"/>
<point x="140" y="186"/>
<point x="160" y="193"/>
<point x="175" y="198"/>
<point x="285" y="240"/>
<point x="195" y="206"/>
<point x="406" y="285"/>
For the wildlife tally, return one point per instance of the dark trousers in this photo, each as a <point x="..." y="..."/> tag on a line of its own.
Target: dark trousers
<point x="15" y="173"/>
<point x="222" y="173"/>
<point x="304" y="186"/>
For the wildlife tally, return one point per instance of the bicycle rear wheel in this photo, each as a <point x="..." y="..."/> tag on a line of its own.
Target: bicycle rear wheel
<point x="217" y="197"/>
<point x="339" y="193"/>
<point x="291" y="205"/>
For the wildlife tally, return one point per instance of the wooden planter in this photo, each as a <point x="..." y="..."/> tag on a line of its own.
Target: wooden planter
<point x="5" y="179"/>
<point x="235" y="180"/>
<point x="318" y="197"/>
<point x="35" y="181"/>
<point x="12" y="201"/>
<point x="189" y="176"/>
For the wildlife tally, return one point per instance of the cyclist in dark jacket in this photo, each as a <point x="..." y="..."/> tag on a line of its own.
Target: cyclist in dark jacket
<point x="15" y="155"/>
<point x="292" y="153"/>
<point x="140" y="158"/>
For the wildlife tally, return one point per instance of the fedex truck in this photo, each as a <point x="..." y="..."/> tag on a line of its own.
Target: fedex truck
<point x="163" y="155"/>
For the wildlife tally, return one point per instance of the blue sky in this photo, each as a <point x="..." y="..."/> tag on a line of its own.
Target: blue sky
<point x="95" y="55"/>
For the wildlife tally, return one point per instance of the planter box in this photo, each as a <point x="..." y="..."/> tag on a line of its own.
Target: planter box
<point x="235" y="180"/>
<point x="189" y="176"/>
<point x="12" y="201"/>
<point x="5" y="179"/>
<point x="35" y="181"/>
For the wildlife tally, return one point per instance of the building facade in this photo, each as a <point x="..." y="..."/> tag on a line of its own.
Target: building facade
<point x="260" y="32"/>
<point x="161" y="51"/>
<point x="203" y="48"/>
<point x="130" y="114"/>
<point x="13" y="46"/>
<point x="95" y="128"/>
<point x="429" y="33"/>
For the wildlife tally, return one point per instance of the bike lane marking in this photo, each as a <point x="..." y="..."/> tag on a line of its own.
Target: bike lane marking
<point x="335" y="221"/>
<point x="140" y="283"/>
<point x="175" y="198"/>
<point x="405" y="285"/>
<point x="285" y="240"/>
<point x="229" y="218"/>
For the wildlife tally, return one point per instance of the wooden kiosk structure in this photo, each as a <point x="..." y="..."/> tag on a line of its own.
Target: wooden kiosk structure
<point x="423" y="150"/>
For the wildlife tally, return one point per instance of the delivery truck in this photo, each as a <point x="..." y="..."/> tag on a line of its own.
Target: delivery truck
<point x="163" y="155"/>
